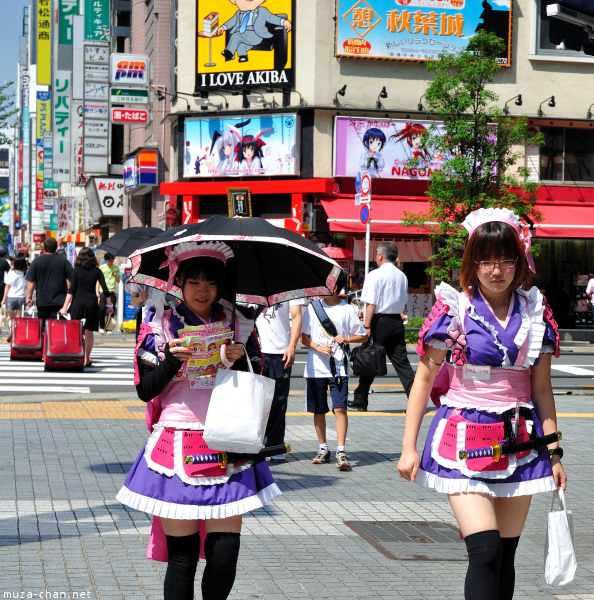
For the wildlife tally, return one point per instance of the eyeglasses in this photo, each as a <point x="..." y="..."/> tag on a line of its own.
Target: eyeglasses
<point x="489" y="265"/>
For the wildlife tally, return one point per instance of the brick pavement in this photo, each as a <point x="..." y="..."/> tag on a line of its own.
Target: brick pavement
<point x="61" y="529"/>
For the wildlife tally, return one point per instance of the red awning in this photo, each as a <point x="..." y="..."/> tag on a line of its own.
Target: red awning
<point x="567" y="220"/>
<point x="386" y="214"/>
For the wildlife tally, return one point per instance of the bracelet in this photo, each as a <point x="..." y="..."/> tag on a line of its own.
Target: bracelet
<point x="556" y="452"/>
<point x="316" y="348"/>
<point x="432" y="361"/>
<point x="366" y="326"/>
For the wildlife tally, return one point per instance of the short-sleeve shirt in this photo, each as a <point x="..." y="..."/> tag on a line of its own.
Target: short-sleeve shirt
<point x="387" y="289"/>
<point x="50" y="273"/>
<point x="347" y="323"/>
<point x="17" y="282"/>
<point x="109" y="273"/>
<point x="590" y="288"/>
<point x="274" y="326"/>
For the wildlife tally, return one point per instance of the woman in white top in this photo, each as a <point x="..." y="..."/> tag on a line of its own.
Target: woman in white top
<point x="15" y="288"/>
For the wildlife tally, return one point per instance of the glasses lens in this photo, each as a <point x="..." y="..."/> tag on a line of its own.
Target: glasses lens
<point x="485" y="265"/>
<point x="508" y="264"/>
<point x="488" y="265"/>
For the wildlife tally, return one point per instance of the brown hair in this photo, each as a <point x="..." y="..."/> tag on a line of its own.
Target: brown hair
<point x="494" y="240"/>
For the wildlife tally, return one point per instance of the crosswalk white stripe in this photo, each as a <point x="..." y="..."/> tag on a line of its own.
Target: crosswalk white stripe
<point x="24" y="387"/>
<point x="572" y="370"/>
<point x="46" y="389"/>
<point x="98" y="367"/>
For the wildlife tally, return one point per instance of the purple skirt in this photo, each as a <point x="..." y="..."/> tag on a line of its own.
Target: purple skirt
<point x="169" y="497"/>
<point x="527" y="479"/>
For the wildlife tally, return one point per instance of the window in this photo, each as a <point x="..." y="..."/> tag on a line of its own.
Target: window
<point x="567" y="155"/>
<point x="542" y="49"/>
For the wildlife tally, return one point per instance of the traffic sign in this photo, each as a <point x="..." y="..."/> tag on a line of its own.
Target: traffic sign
<point x="128" y="115"/>
<point x="171" y="217"/>
<point x="364" y="216"/>
<point x="365" y="189"/>
<point x="358" y="182"/>
<point x="357" y="199"/>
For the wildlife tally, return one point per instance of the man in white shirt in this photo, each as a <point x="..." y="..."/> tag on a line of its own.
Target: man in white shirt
<point x="279" y="330"/>
<point x="385" y="292"/>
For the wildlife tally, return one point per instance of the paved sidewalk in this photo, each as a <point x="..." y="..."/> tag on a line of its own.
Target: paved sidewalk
<point x="332" y="535"/>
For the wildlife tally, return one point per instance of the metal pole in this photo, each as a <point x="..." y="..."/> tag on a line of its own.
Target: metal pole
<point x="367" y="243"/>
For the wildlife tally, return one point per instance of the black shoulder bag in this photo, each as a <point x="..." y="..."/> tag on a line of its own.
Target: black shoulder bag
<point x="330" y="328"/>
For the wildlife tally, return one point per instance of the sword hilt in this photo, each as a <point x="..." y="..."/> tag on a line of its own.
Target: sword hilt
<point x="506" y="448"/>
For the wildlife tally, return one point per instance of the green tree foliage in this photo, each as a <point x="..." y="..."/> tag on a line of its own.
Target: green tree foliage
<point x="7" y="110"/>
<point x="480" y="146"/>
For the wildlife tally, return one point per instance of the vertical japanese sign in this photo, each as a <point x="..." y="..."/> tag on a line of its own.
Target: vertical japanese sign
<point x="417" y="29"/>
<point x="26" y="140"/>
<point x="97" y="20"/>
<point x="68" y="10"/>
<point x="76" y="126"/>
<point x="61" y="129"/>
<point x="44" y="42"/>
<point x="66" y="213"/>
<point x="43" y="125"/>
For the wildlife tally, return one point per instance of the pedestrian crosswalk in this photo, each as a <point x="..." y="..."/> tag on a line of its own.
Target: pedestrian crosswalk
<point x="112" y="368"/>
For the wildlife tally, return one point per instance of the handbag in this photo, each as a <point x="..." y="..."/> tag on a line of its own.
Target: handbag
<point x="110" y="323"/>
<point x="369" y="360"/>
<point x="560" y="559"/>
<point x="238" y="411"/>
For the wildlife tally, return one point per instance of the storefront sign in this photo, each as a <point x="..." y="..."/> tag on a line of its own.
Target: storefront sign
<point x="106" y="196"/>
<point x="128" y="115"/>
<point x="44" y="42"/>
<point x="266" y="145"/>
<point x="382" y="148"/>
<point x="254" y="52"/>
<point x="97" y="20"/>
<point x="68" y="10"/>
<point x="417" y="29"/>
<point x="62" y="139"/>
<point x="129" y="69"/>
<point x="140" y="169"/>
<point x="128" y="96"/>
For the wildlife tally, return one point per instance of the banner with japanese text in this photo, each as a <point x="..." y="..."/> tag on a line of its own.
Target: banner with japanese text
<point x="62" y="139"/>
<point x="235" y="146"/>
<point x="417" y="29"/>
<point x="44" y="42"/>
<point x="97" y="20"/>
<point x="66" y="214"/>
<point x="68" y="10"/>
<point x="383" y="148"/>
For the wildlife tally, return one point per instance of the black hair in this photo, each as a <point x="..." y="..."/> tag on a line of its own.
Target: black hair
<point x="86" y="259"/>
<point x="109" y="256"/>
<point x="209" y="268"/>
<point x="341" y="281"/>
<point x="20" y="264"/>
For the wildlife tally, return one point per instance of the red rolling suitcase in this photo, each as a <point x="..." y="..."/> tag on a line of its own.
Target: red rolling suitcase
<point x="63" y="346"/>
<point x="26" y="341"/>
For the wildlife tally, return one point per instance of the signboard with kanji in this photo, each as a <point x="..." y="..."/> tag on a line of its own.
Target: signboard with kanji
<point x="417" y="29"/>
<point x="96" y="20"/>
<point x="61" y="130"/>
<point x="44" y="42"/>
<point x="128" y="115"/>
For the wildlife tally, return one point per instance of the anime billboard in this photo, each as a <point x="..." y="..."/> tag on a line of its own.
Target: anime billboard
<point x="244" y="43"/>
<point x="383" y="148"/>
<point x="265" y="145"/>
<point x="418" y="29"/>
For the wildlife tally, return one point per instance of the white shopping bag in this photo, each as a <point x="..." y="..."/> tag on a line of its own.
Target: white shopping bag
<point x="238" y="411"/>
<point x="560" y="559"/>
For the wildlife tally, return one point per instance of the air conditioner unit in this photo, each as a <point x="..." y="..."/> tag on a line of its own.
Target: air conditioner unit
<point x="571" y="16"/>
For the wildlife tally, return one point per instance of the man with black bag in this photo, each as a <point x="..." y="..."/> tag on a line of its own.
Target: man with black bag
<point x="385" y="292"/>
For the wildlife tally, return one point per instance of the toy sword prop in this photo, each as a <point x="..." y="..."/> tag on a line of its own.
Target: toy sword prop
<point x="222" y="458"/>
<point x="509" y="447"/>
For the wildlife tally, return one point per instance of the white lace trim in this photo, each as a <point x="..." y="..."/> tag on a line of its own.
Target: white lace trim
<point x="497" y="410"/>
<point x="171" y="510"/>
<point x="494" y="489"/>
<point x="506" y="363"/>
<point x="538" y="326"/>
<point x="449" y="296"/>
<point x="144" y="355"/>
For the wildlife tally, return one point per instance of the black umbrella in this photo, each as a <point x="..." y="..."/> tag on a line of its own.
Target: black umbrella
<point x="124" y="242"/>
<point x="270" y="264"/>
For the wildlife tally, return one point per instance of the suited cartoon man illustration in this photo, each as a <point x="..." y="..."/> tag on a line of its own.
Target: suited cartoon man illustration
<point x="247" y="28"/>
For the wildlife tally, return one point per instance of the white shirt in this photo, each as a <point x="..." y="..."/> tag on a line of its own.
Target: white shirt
<point x="347" y="323"/>
<point x="274" y="326"/>
<point x="387" y="288"/>
<point x="590" y="288"/>
<point x="17" y="282"/>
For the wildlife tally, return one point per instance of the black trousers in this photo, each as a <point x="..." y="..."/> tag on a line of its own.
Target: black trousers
<point x="274" y="367"/>
<point x="388" y="331"/>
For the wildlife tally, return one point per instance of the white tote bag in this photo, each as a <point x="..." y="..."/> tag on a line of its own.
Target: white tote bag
<point x="560" y="559"/>
<point x="238" y="411"/>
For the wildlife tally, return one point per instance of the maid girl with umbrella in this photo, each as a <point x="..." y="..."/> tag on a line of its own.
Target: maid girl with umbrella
<point x="197" y="508"/>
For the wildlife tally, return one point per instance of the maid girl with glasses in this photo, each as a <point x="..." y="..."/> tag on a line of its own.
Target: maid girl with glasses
<point x="496" y="339"/>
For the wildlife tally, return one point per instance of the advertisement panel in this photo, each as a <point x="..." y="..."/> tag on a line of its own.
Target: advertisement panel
<point x="266" y="145"/>
<point x="243" y="43"/>
<point x="97" y="20"/>
<point x="44" y="42"/>
<point x="381" y="148"/>
<point x="62" y="133"/>
<point x="417" y="29"/>
<point x="68" y="10"/>
<point x="129" y="69"/>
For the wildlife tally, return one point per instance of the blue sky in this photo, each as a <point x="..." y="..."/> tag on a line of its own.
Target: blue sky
<point x="11" y="28"/>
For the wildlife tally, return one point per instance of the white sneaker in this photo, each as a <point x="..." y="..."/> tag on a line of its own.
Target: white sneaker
<point x="102" y="331"/>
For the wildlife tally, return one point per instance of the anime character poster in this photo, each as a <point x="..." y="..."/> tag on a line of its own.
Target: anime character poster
<point x="244" y="43"/>
<point x="383" y="148"/>
<point x="418" y="29"/>
<point x="264" y="145"/>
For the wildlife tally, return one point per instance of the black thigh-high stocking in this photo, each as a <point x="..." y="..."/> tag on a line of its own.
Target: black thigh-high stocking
<point x="181" y="567"/>
<point x="484" y="562"/>
<point x="507" y="573"/>
<point x="221" y="550"/>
